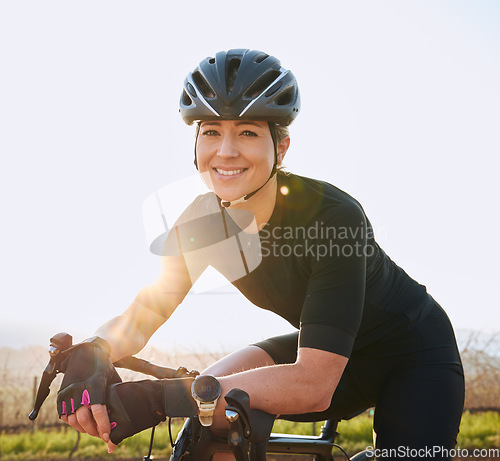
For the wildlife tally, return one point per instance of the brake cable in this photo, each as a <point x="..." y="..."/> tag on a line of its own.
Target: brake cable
<point x="148" y="457"/>
<point x="172" y="444"/>
<point x="343" y="451"/>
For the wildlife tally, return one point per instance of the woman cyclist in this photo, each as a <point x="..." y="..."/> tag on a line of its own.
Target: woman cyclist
<point x="367" y="334"/>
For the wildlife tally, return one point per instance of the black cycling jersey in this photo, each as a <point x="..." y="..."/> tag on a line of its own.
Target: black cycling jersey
<point x="323" y="271"/>
<point x="316" y="263"/>
<point x="319" y="265"/>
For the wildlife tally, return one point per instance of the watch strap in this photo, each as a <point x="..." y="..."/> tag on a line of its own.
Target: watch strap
<point x="206" y="412"/>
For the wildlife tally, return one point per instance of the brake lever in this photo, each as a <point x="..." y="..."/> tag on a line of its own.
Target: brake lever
<point x="238" y="435"/>
<point x="249" y="429"/>
<point x="60" y="345"/>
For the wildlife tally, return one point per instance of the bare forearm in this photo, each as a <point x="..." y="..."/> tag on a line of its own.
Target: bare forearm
<point x="128" y="333"/>
<point x="114" y="331"/>
<point x="301" y="387"/>
<point x="278" y="389"/>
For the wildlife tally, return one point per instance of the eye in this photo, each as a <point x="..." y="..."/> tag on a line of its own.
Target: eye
<point x="249" y="133"/>
<point x="210" y="132"/>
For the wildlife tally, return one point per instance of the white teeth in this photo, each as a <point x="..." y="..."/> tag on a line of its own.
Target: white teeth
<point x="228" y="173"/>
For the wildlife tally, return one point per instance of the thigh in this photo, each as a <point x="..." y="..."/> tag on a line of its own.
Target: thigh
<point x="247" y="358"/>
<point x="282" y="349"/>
<point x="419" y="409"/>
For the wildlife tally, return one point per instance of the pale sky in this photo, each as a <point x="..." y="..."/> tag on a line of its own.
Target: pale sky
<point x="400" y="108"/>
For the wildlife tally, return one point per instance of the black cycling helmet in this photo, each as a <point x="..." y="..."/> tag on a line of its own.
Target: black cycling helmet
<point x="240" y="84"/>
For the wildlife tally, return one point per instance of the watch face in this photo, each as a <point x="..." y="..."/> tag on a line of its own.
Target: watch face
<point x="206" y="388"/>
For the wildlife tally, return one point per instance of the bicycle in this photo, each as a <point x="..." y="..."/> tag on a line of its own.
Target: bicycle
<point x="194" y="442"/>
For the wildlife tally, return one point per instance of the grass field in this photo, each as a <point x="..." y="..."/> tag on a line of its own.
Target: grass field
<point x="478" y="430"/>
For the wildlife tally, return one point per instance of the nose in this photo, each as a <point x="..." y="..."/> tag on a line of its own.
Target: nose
<point x="227" y="148"/>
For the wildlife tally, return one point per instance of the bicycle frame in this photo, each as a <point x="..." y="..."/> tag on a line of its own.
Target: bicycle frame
<point x="193" y="442"/>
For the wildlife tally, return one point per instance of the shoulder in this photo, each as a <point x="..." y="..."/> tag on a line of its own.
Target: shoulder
<point x="314" y="199"/>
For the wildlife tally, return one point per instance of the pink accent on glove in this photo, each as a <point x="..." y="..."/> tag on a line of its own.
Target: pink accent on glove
<point x="86" y="399"/>
<point x="113" y="425"/>
<point x="64" y="409"/>
<point x="72" y="406"/>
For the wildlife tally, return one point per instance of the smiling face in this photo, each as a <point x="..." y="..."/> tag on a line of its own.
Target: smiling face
<point x="235" y="157"/>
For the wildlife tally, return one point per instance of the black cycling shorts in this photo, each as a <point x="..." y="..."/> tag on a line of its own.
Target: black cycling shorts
<point x="414" y="379"/>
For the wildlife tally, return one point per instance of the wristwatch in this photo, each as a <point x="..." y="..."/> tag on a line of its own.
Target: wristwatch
<point x="206" y="391"/>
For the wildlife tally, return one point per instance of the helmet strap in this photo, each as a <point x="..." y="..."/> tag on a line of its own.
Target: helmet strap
<point x="196" y="142"/>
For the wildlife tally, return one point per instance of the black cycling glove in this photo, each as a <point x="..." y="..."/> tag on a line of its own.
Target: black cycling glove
<point x="88" y="372"/>
<point x="135" y="406"/>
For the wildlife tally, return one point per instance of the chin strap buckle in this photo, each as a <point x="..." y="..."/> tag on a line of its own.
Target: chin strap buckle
<point x="226" y="204"/>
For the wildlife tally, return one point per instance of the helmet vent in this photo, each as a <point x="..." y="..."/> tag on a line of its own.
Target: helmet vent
<point x="257" y="87"/>
<point x="285" y="98"/>
<point x="203" y="85"/>
<point x="260" y="57"/>
<point x="191" y="89"/>
<point x="232" y="70"/>
<point x="186" y="100"/>
<point x="211" y="60"/>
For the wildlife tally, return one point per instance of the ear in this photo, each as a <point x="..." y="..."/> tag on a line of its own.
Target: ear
<point x="282" y="148"/>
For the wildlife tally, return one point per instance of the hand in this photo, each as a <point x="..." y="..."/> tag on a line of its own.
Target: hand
<point x="139" y="405"/>
<point x="88" y="372"/>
